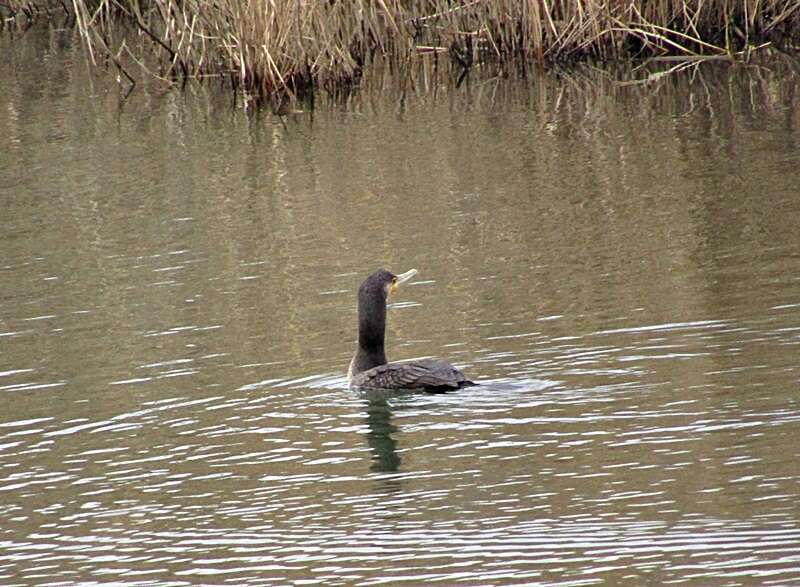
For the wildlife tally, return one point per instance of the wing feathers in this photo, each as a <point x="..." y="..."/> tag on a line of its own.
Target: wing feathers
<point x="429" y="374"/>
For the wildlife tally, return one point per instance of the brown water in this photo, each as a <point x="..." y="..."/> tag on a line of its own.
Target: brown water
<point x="618" y="266"/>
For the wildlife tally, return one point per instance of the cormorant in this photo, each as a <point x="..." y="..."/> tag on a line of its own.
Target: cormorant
<point x="369" y="368"/>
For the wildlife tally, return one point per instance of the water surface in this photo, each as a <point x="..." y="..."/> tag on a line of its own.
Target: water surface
<point x="617" y="265"/>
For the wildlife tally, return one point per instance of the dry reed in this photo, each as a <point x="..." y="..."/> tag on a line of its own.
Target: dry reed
<point x="280" y="47"/>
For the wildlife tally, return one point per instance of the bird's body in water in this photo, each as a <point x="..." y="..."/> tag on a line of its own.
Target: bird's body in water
<point x="369" y="368"/>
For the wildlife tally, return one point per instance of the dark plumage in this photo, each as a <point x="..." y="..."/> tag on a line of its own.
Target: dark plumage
<point x="369" y="368"/>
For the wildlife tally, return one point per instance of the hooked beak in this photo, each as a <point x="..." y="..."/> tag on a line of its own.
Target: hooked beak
<point x="402" y="278"/>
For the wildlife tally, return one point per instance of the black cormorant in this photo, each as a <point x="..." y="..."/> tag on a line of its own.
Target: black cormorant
<point x="369" y="368"/>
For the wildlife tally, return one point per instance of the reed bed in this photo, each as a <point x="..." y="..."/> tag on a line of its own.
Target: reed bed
<point x="286" y="47"/>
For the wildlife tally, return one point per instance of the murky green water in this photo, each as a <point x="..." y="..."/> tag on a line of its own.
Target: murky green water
<point x="618" y="266"/>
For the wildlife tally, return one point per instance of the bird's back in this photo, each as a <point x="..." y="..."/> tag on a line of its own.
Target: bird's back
<point x="426" y="374"/>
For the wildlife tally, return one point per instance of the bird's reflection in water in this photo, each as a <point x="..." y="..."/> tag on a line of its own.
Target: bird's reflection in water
<point x="380" y="436"/>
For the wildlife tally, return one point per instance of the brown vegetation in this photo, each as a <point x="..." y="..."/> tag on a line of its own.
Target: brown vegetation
<point x="279" y="47"/>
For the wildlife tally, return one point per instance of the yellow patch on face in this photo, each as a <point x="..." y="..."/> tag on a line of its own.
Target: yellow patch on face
<point x="393" y="286"/>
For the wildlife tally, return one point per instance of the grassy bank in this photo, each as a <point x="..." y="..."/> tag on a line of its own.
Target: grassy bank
<point x="275" y="47"/>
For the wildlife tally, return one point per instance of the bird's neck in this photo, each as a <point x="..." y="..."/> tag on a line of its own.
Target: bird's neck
<point x="371" y="332"/>
<point x="363" y="361"/>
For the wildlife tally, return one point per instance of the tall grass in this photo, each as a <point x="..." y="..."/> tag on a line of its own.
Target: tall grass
<point x="275" y="47"/>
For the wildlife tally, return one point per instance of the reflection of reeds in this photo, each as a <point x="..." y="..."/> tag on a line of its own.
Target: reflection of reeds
<point x="271" y="47"/>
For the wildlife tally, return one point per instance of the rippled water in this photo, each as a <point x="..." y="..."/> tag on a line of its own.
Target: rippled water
<point x="618" y="267"/>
